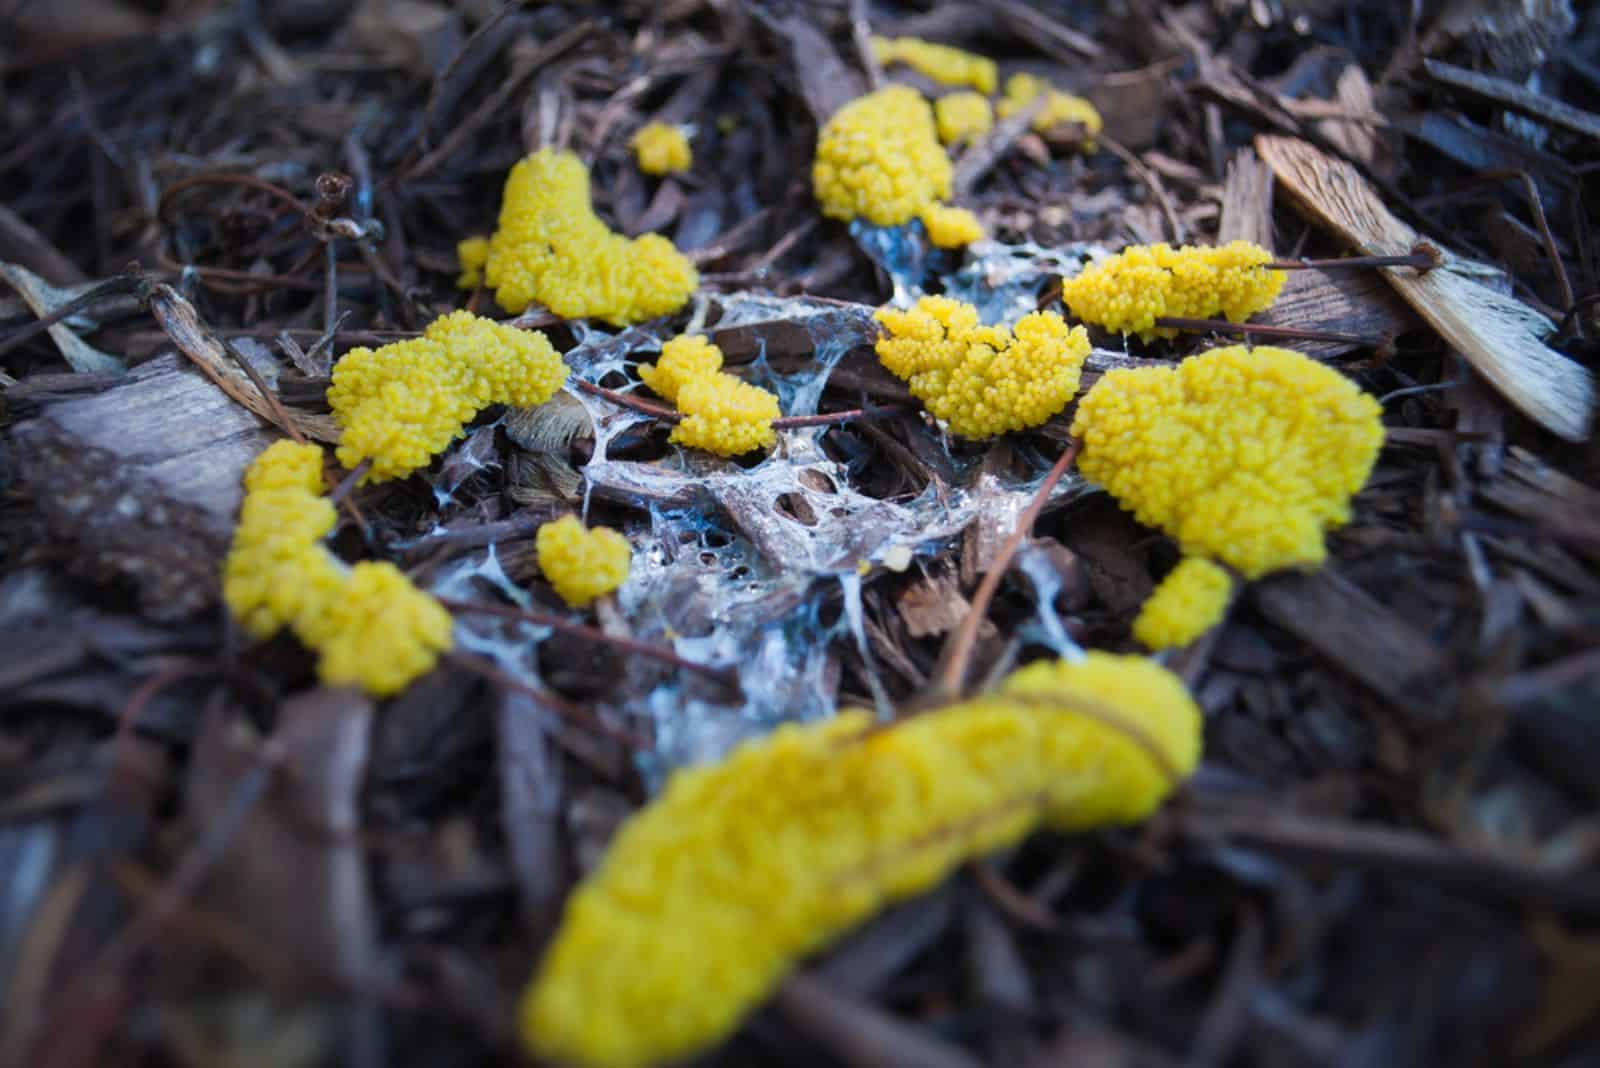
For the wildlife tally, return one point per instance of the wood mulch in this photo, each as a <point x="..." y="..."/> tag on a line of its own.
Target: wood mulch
<point x="1391" y="854"/>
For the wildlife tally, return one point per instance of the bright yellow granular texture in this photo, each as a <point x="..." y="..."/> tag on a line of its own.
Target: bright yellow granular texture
<point x="383" y="631"/>
<point x="1059" y="107"/>
<point x="661" y="149"/>
<point x="401" y="405"/>
<point x="685" y="357"/>
<point x="725" y="415"/>
<point x="709" y="896"/>
<point x="950" y="227"/>
<point x="264" y="580"/>
<point x="982" y="380"/>
<point x="372" y="627"/>
<point x="582" y="564"/>
<point x="552" y="248"/>
<point x="473" y="252"/>
<point x="879" y="158"/>
<point x="963" y="118"/>
<point x="937" y="62"/>
<point x="721" y="413"/>
<point x="1125" y="293"/>
<point x="1242" y="456"/>
<point x="1190" y="601"/>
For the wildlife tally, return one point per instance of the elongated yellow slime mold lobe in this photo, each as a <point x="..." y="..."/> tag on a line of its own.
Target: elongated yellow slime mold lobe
<point x="1127" y="292"/>
<point x="937" y="62"/>
<point x="370" y="625"/>
<point x="401" y="405"/>
<point x="712" y="893"/>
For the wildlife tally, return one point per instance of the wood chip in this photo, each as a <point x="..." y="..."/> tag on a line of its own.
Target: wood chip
<point x="1499" y="335"/>
<point x="1361" y="637"/>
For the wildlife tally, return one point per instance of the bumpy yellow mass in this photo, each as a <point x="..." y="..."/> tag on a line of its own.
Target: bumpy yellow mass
<point x="401" y="405"/>
<point x="725" y="415"/>
<point x="473" y="252"/>
<point x="937" y="62"/>
<point x="950" y="227"/>
<point x="1190" y="601"/>
<point x="383" y="631"/>
<point x="661" y="149"/>
<point x="683" y="358"/>
<point x="1059" y="107"/>
<point x="879" y="158"/>
<point x="963" y="118"/>
<point x="712" y="893"/>
<point x="372" y="627"/>
<point x="982" y="380"/>
<point x="1125" y="293"/>
<point x="552" y="248"/>
<point x="721" y="413"/>
<point x="582" y="564"/>
<point x="1242" y="456"/>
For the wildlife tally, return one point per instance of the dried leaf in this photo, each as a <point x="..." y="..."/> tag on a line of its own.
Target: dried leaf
<point x="45" y="298"/>
<point x="1499" y="335"/>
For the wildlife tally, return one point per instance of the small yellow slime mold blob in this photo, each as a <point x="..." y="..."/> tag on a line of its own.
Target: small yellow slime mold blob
<point x="721" y="413"/>
<point x="582" y="564"/>
<point x="1190" y="601"/>
<point x="661" y="149"/>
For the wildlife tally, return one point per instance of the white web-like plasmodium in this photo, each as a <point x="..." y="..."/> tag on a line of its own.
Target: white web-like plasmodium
<point x="757" y="568"/>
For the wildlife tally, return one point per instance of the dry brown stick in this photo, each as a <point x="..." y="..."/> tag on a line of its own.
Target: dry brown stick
<point x="350" y="481"/>
<point x="495" y="103"/>
<point x="1223" y="326"/>
<point x="953" y="677"/>
<point x="248" y="181"/>
<point x="567" y="711"/>
<point x="978" y="160"/>
<point x="861" y="37"/>
<point x="113" y="287"/>
<point x="791" y="422"/>
<point x="724" y="676"/>
<point x="1423" y="257"/>
<point x="1151" y="180"/>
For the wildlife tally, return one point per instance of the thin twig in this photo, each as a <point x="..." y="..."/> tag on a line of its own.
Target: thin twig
<point x="724" y="676"/>
<point x="954" y="675"/>
<point x="126" y="283"/>
<point x="624" y="400"/>
<point x="1150" y="179"/>
<point x="569" y="712"/>
<point x="1223" y="326"/>
<point x="787" y="422"/>
<point x="790" y="422"/>
<point x="248" y="181"/>
<point x="1423" y="256"/>
<point x="351" y="481"/>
